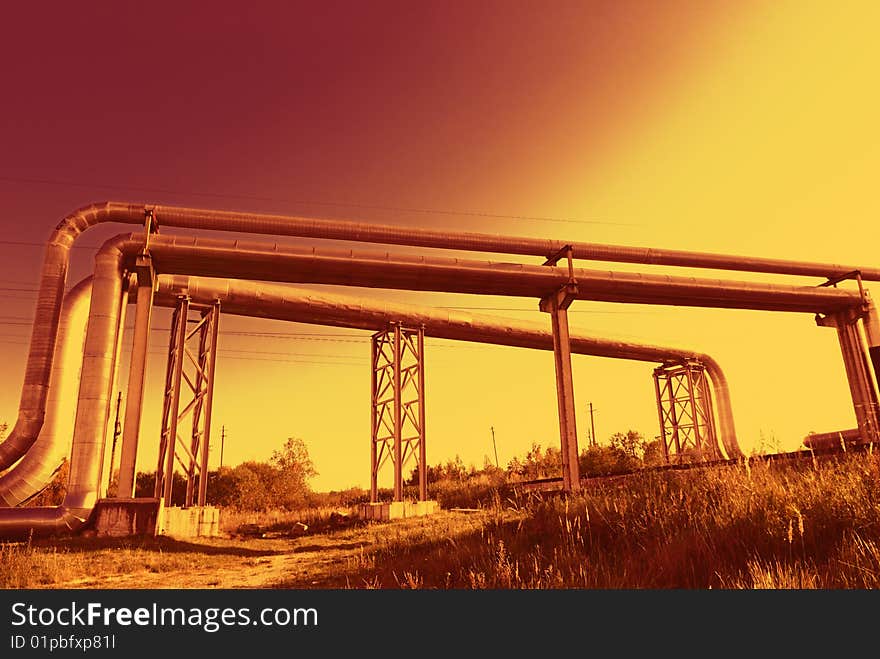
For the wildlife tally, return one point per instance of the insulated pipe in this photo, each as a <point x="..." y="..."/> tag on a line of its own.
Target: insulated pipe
<point x="274" y="262"/>
<point x="479" y="242"/>
<point x="55" y="265"/>
<point x="35" y="469"/>
<point x="93" y="407"/>
<point x="308" y="306"/>
<point x="280" y="302"/>
<point x="382" y="269"/>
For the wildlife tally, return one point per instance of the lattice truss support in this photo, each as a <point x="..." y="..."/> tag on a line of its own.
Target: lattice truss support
<point x="684" y="403"/>
<point x="192" y="356"/>
<point x="398" y="407"/>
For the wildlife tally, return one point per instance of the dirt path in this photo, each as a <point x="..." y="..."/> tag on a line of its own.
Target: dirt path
<point x="315" y="560"/>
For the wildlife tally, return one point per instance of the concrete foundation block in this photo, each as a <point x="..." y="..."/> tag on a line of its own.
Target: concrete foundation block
<point x="195" y="522"/>
<point x="123" y="517"/>
<point x="397" y="509"/>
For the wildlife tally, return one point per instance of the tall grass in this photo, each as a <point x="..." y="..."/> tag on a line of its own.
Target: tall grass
<point x="749" y="526"/>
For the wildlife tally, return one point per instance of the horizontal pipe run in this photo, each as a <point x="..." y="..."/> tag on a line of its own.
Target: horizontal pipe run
<point x="56" y="260"/>
<point x="481" y="242"/>
<point x="273" y="262"/>
<point x="280" y="302"/>
<point x="307" y="306"/>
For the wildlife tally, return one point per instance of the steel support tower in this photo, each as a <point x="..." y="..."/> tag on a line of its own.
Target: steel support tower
<point x="398" y="406"/>
<point x="684" y="405"/>
<point x="192" y="355"/>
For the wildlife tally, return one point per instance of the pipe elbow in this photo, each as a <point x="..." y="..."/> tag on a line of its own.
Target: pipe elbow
<point x="85" y="217"/>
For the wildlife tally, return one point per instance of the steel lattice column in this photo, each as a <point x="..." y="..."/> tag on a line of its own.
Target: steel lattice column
<point x="397" y="406"/>
<point x="197" y="371"/>
<point x="684" y="405"/>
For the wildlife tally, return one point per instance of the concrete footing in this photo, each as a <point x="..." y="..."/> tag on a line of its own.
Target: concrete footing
<point x="117" y="518"/>
<point x="192" y="522"/>
<point x="124" y="517"/>
<point x="397" y="509"/>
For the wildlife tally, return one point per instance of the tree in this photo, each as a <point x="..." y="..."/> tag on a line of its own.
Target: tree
<point x="605" y="461"/>
<point x="632" y="443"/>
<point x="653" y="455"/>
<point x="290" y="487"/>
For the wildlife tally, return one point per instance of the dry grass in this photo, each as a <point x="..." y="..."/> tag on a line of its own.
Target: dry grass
<point x="748" y="526"/>
<point x="752" y="526"/>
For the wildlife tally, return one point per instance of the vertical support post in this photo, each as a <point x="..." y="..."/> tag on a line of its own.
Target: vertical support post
<point x="136" y="377"/>
<point x="112" y="436"/>
<point x="855" y="361"/>
<point x="209" y="403"/>
<point x="593" y="440"/>
<point x="871" y="324"/>
<point x="557" y="305"/>
<point x="661" y="414"/>
<point x="695" y="413"/>
<point x="198" y="400"/>
<point x="423" y="464"/>
<point x="375" y="421"/>
<point x="398" y="421"/>
<point x="171" y="441"/>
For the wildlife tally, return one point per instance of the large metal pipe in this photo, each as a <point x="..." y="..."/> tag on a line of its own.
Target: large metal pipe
<point x="35" y="469"/>
<point x="308" y="306"/>
<point x="316" y="307"/>
<point x="93" y="407"/>
<point x="382" y="269"/>
<point x="55" y="266"/>
<point x="378" y="269"/>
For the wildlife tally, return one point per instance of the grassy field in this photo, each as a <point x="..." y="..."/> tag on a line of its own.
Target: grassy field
<point x="809" y="525"/>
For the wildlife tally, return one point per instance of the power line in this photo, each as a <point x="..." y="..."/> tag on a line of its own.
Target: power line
<point x="333" y="204"/>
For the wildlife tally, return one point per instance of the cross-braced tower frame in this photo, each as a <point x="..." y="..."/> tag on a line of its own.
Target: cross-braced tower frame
<point x="398" y="406"/>
<point x="192" y="355"/>
<point x="684" y="404"/>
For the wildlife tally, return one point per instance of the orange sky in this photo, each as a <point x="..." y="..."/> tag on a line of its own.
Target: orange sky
<point x="733" y="127"/>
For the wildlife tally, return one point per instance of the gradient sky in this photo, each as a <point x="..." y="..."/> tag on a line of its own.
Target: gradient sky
<point x="747" y="128"/>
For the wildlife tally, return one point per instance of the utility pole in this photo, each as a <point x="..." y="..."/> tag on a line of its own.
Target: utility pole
<point x="593" y="441"/>
<point x="222" y="444"/>
<point x="492" y="428"/>
<point x="117" y="431"/>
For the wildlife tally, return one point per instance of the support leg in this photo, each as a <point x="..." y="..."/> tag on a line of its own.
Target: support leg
<point x="136" y="378"/>
<point x="557" y="306"/>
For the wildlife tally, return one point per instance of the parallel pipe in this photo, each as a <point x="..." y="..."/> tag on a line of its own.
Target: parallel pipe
<point x="315" y="307"/>
<point x="377" y="269"/>
<point x="55" y="266"/>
